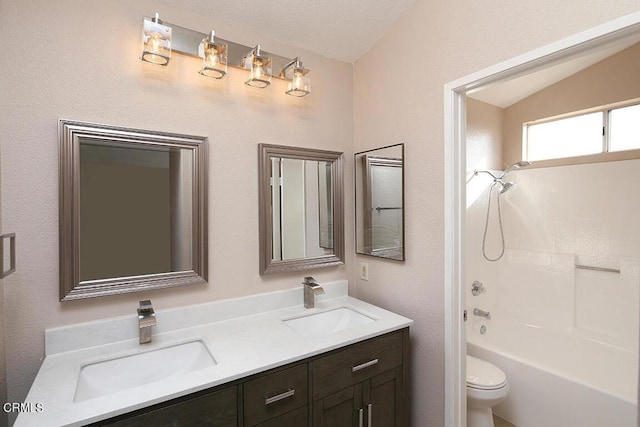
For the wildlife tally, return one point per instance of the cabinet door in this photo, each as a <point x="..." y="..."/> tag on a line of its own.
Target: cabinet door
<point x="382" y="397"/>
<point x="341" y="409"/>
<point x="216" y="409"/>
<point x="296" y="418"/>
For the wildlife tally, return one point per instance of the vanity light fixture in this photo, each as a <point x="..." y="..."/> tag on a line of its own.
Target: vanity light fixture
<point x="258" y="66"/>
<point x="214" y="57"/>
<point x="161" y="39"/>
<point x="298" y="83"/>
<point x="156" y="41"/>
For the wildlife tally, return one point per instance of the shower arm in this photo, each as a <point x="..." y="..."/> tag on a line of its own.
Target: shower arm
<point x="495" y="178"/>
<point x="517" y="165"/>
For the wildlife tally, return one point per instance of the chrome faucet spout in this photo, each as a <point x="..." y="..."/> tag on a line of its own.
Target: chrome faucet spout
<point x="311" y="289"/>
<point x="146" y="319"/>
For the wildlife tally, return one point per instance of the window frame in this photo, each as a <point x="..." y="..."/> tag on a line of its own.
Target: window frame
<point x="603" y="156"/>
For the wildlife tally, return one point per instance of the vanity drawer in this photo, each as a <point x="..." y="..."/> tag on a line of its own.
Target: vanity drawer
<point x="275" y="393"/>
<point x="355" y="364"/>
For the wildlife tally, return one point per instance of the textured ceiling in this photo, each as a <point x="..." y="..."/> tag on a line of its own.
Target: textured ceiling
<point x="340" y="29"/>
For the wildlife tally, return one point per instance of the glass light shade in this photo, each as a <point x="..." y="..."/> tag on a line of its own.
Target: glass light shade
<point x="156" y="41"/>
<point x="299" y="84"/>
<point x="259" y="70"/>
<point x="214" y="62"/>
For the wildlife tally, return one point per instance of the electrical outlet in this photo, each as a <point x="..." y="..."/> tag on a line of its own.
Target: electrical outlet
<point x="364" y="271"/>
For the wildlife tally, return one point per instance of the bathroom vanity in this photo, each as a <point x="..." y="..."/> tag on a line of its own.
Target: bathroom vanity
<point x="262" y="360"/>
<point x="333" y="388"/>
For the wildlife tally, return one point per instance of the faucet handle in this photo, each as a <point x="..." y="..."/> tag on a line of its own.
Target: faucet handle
<point x="308" y="280"/>
<point x="477" y="288"/>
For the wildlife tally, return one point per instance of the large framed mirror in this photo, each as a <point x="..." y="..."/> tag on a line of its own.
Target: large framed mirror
<point x="379" y="189"/>
<point x="133" y="210"/>
<point x="301" y="208"/>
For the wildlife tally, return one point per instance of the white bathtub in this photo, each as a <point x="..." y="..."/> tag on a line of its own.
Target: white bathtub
<point x="557" y="378"/>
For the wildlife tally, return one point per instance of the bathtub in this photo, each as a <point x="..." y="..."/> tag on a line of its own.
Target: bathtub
<point x="557" y="377"/>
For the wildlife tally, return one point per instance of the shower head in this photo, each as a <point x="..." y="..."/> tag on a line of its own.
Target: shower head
<point x="506" y="187"/>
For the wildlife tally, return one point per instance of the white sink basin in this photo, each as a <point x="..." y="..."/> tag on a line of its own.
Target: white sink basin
<point x="327" y="322"/>
<point x="110" y="376"/>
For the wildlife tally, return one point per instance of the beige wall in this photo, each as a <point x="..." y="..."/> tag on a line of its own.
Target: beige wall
<point x="398" y="97"/>
<point x="3" y="372"/>
<point x="484" y="136"/>
<point x="614" y="79"/>
<point x="78" y="59"/>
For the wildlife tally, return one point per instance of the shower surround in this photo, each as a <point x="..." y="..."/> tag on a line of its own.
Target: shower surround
<point x="566" y="337"/>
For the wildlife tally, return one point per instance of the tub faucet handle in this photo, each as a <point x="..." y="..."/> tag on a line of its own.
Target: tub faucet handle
<point x="477" y="288"/>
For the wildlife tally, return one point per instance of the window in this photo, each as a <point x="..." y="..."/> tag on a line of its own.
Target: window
<point x="605" y="130"/>
<point x="624" y="128"/>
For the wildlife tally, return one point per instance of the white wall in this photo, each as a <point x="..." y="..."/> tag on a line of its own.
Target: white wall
<point x="579" y="323"/>
<point x="78" y="59"/>
<point x="398" y="97"/>
<point x="554" y="218"/>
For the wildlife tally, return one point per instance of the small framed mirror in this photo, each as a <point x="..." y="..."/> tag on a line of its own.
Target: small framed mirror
<point x="379" y="189"/>
<point x="301" y="208"/>
<point x="133" y="210"/>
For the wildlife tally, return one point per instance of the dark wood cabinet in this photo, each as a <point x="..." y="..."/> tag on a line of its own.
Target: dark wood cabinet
<point x="218" y="408"/>
<point x="268" y="396"/>
<point x="383" y="399"/>
<point x="296" y="418"/>
<point x="363" y="384"/>
<point x="340" y="409"/>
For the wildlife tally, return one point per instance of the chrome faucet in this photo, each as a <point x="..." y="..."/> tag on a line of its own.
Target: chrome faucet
<point x="482" y="313"/>
<point x="146" y="319"/>
<point x="311" y="289"/>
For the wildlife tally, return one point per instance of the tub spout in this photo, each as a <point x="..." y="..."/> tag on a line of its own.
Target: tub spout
<point x="482" y="313"/>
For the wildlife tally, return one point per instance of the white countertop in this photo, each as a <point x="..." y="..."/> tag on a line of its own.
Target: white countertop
<point x="244" y="335"/>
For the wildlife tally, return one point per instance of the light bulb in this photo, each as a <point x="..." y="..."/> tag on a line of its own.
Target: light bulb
<point x="212" y="59"/>
<point x="258" y="71"/>
<point x="154" y="43"/>
<point x="298" y="82"/>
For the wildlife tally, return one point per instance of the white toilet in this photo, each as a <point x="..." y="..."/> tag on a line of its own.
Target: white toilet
<point x="486" y="387"/>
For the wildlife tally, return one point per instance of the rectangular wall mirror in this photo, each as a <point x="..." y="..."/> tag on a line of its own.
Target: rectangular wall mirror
<point x="379" y="188"/>
<point x="132" y="210"/>
<point x="301" y="208"/>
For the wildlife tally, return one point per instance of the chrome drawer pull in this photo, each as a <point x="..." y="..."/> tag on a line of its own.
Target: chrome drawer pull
<point x="360" y="418"/>
<point x="369" y="415"/>
<point x="364" y="365"/>
<point x="278" y="397"/>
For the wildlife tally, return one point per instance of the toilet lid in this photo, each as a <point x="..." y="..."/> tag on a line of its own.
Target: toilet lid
<point x="484" y="375"/>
